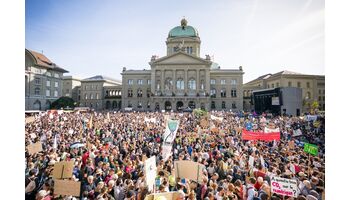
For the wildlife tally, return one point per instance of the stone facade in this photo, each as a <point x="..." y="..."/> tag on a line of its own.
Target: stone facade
<point x="93" y="91"/>
<point x="71" y="87"/>
<point x="183" y="79"/>
<point x="313" y="87"/>
<point x="43" y="81"/>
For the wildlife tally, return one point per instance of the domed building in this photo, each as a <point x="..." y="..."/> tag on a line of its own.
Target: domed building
<point x="182" y="79"/>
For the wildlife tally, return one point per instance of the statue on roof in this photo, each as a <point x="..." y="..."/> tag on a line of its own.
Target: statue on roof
<point x="183" y="23"/>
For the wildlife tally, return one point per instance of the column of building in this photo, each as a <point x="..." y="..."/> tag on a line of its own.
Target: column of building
<point x="185" y="83"/>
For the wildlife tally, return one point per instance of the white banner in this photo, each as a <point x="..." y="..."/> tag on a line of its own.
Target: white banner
<point x="216" y="118"/>
<point x="166" y="151"/>
<point x="285" y="187"/>
<point x="150" y="172"/>
<point x="154" y="120"/>
<point x="270" y="130"/>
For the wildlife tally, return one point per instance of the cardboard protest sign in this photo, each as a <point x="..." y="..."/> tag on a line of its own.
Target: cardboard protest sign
<point x="66" y="187"/>
<point x="30" y="119"/>
<point x="164" y="195"/>
<point x="204" y="123"/>
<point x="34" y="148"/>
<point x="249" y="135"/>
<point x="283" y="186"/>
<point x="311" y="149"/>
<point x="63" y="169"/>
<point x="190" y="170"/>
<point x="150" y="172"/>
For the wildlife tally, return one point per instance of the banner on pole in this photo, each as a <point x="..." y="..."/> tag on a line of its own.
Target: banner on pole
<point x="283" y="186"/>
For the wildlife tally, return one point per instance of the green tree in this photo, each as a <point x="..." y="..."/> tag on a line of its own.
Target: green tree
<point x="63" y="102"/>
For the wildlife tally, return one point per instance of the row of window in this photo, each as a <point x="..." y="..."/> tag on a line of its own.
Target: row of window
<point x="91" y="87"/>
<point x="37" y="81"/>
<point x="223" y="93"/>
<point x="320" y="98"/>
<point x="223" y="105"/>
<point x="92" y="96"/>
<point x="223" y="81"/>
<point x="319" y="92"/>
<point x="139" y="82"/>
<point x="290" y="84"/>
<point x="37" y="91"/>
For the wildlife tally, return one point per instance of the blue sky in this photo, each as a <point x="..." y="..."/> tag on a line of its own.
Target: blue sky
<point x="91" y="37"/>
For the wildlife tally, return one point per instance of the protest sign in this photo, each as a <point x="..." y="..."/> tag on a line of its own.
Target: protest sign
<point x="63" y="169"/>
<point x="150" y="172"/>
<point x="311" y="149"/>
<point x="35" y="148"/>
<point x="271" y="130"/>
<point x="189" y="170"/>
<point x="297" y="133"/>
<point x="204" y="123"/>
<point x="30" y="119"/>
<point x="66" y="187"/>
<point x="164" y="195"/>
<point x="283" y="186"/>
<point x="249" y="135"/>
<point x="311" y="118"/>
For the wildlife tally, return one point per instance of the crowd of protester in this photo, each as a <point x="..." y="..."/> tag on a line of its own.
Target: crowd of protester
<point x="110" y="163"/>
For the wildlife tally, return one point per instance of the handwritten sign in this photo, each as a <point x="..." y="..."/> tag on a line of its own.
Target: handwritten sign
<point x="30" y="119"/>
<point x="311" y="149"/>
<point x="63" y="169"/>
<point x="285" y="187"/>
<point x="34" y="148"/>
<point x="66" y="187"/>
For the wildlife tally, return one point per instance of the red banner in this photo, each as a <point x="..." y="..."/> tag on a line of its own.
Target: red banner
<point x="250" y="135"/>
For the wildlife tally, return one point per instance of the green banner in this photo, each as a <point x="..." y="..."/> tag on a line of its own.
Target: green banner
<point x="311" y="149"/>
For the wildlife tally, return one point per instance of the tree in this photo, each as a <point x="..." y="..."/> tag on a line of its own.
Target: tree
<point x="63" y="102"/>
<point x="314" y="106"/>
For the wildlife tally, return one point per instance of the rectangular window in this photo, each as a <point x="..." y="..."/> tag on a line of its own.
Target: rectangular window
<point x="319" y="98"/>
<point x="233" y="93"/>
<point x="56" y="84"/>
<point x="37" y="81"/>
<point x="299" y="84"/>
<point x="48" y="74"/>
<point x="56" y="75"/>
<point x="277" y="84"/>
<point x="148" y="82"/>
<point x="96" y="86"/>
<point x="308" y="84"/>
<point x="234" y="82"/>
<point x="47" y="93"/>
<point x="212" y="81"/>
<point x="97" y="96"/>
<point x="223" y="92"/>
<point x="319" y="92"/>
<point x="56" y="93"/>
<point x="48" y="83"/>
<point x="130" y="82"/>
<point x="289" y="84"/>
<point x="140" y="82"/>
<point x="273" y="85"/>
<point x="223" y="82"/>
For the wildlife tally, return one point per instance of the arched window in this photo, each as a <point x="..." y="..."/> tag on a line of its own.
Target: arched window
<point x="202" y="84"/>
<point x="213" y="93"/>
<point x="91" y="96"/>
<point x="192" y="84"/>
<point x="86" y="96"/>
<point x="233" y="93"/>
<point x="37" y="91"/>
<point x="223" y="105"/>
<point x="139" y="104"/>
<point x="180" y="84"/>
<point x="234" y="105"/>
<point x="158" y="85"/>
<point x="168" y="84"/>
<point x="97" y="96"/>
<point x="213" y="105"/>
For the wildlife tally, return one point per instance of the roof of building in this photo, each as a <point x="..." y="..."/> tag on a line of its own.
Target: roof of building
<point x="102" y="78"/>
<point x="286" y="72"/>
<point x="265" y="76"/>
<point x="43" y="61"/>
<point x="71" y="77"/>
<point x="137" y="71"/>
<point x="183" y="30"/>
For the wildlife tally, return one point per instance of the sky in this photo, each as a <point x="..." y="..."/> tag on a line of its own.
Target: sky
<point x="100" y="37"/>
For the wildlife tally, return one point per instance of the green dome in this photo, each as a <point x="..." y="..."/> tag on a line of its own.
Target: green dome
<point x="183" y="31"/>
